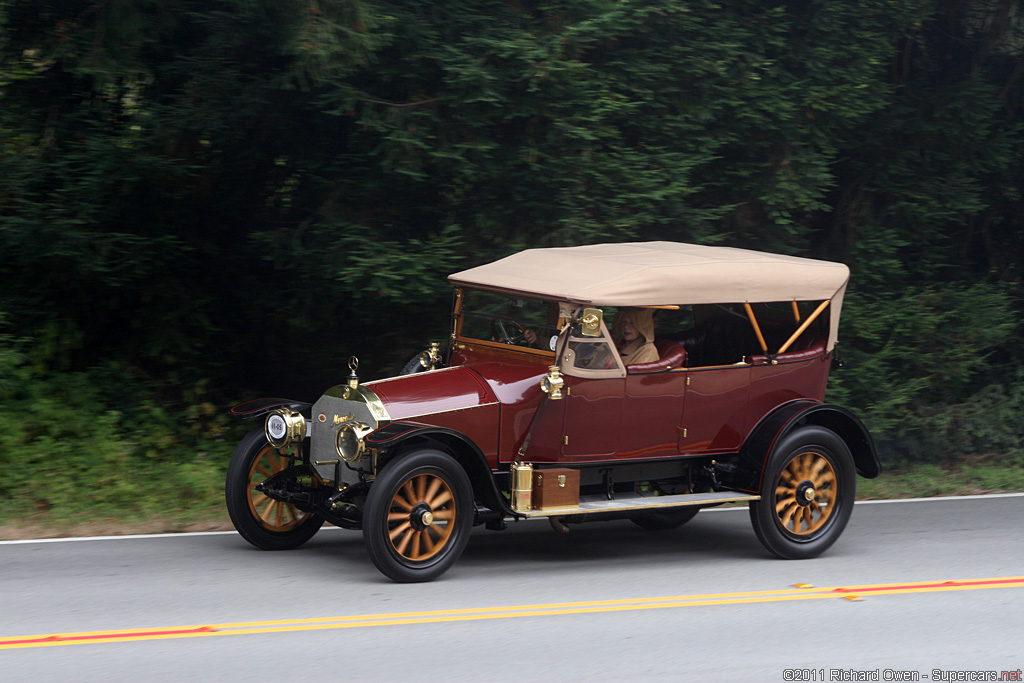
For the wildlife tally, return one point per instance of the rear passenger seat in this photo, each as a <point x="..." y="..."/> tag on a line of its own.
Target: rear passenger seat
<point x="816" y="349"/>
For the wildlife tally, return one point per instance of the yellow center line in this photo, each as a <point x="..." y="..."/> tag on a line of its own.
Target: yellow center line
<point x="506" y="612"/>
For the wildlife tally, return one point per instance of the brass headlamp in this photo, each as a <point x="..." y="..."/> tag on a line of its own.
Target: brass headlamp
<point x="284" y="427"/>
<point x="431" y="357"/>
<point x="349" y="441"/>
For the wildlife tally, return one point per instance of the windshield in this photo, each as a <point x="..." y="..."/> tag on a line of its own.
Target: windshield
<point x="529" y="323"/>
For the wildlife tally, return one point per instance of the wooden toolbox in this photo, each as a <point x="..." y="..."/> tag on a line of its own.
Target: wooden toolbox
<point x="556" y="488"/>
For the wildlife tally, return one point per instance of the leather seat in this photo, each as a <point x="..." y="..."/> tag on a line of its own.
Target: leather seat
<point x="673" y="355"/>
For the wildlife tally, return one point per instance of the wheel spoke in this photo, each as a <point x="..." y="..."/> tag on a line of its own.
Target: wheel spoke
<point x="443" y="498"/>
<point x="794" y="469"/>
<point x="405" y="540"/>
<point x="435" y="485"/>
<point x="787" y="514"/>
<point x="804" y="467"/>
<point x="398" y="516"/>
<point x="262" y="469"/>
<point x="399" y="529"/>
<point x="788" y="476"/>
<point x="428" y="543"/>
<point x="410" y="495"/>
<point x="443" y="515"/>
<point x="824" y="511"/>
<point x="401" y="502"/>
<point x="421" y="487"/>
<point x="414" y="553"/>
<point x="267" y="511"/>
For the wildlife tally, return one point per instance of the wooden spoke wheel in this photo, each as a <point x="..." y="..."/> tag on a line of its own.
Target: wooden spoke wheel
<point x="421" y="517"/>
<point x="263" y="521"/>
<point x="273" y="514"/>
<point x="418" y="515"/>
<point x="807" y="494"/>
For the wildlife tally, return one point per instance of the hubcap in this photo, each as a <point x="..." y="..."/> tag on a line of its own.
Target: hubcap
<point x="805" y="494"/>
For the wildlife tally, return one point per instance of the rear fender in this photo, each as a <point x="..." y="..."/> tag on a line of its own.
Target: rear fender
<point x="791" y="416"/>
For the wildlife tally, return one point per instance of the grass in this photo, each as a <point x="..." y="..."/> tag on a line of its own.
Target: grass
<point x="960" y="478"/>
<point x="164" y="511"/>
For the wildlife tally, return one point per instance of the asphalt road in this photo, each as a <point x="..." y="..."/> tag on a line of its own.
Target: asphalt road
<point x="607" y="602"/>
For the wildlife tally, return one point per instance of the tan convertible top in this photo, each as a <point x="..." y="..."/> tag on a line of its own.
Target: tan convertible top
<point x="659" y="274"/>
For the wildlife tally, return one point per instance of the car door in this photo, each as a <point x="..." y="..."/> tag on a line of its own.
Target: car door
<point x="715" y="414"/>
<point x="652" y="414"/>
<point x="595" y="386"/>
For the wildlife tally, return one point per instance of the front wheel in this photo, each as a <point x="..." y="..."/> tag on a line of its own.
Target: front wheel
<point x="266" y="523"/>
<point x="418" y="516"/>
<point x="807" y="494"/>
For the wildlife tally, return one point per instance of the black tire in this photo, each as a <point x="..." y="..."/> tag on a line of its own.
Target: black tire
<point x="404" y="542"/>
<point x="807" y="494"/>
<point x="665" y="519"/>
<point x="266" y="523"/>
<point x="413" y="366"/>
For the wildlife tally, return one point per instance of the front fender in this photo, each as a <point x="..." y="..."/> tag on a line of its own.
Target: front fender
<point x="262" y="406"/>
<point x="399" y="436"/>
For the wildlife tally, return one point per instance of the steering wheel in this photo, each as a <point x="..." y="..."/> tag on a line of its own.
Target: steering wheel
<point x="502" y="328"/>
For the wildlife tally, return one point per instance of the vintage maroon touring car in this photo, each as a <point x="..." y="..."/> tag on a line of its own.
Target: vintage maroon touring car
<point x="529" y="411"/>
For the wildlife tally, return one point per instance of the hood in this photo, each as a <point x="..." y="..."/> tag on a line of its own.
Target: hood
<point x="426" y="393"/>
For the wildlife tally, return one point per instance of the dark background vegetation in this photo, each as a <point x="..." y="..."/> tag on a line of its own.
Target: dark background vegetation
<point x="206" y="200"/>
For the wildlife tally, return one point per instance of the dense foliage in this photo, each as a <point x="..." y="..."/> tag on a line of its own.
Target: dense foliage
<point x="204" y="199"/>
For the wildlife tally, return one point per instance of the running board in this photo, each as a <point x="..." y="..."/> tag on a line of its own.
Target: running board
<point x="595" y="505"/>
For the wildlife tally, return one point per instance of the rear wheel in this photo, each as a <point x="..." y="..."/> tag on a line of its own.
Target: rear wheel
<point x="664" y="519"/>
<point x="266" y="523"/>
<point x="418" y="516"/>
<point x="807" y="494"/>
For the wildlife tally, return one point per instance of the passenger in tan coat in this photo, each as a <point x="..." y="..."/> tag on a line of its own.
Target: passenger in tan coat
<point x="633" y="332"/>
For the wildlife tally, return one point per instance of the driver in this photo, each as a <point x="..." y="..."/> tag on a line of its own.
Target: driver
<point x="633" y="332"/>
<point x="557" y="312"/>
